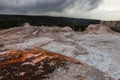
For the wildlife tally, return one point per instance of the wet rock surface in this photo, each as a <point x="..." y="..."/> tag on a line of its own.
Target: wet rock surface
<point x="98" y="48"/>
<point x="39" y="64"/>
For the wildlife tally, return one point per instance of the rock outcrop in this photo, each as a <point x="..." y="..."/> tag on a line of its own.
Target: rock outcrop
<point x="39" y="64"/>
<point x="114" y="25"/>
<point x="99" y="29"/>
<point x="97" y="48"/>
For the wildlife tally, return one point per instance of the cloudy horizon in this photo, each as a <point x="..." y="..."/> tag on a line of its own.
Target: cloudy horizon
<point x="90" y="9"/>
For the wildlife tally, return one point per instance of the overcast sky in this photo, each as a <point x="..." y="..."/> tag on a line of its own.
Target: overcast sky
<point x="92" y="9"/>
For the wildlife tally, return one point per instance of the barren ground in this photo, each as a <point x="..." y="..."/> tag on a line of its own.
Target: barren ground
<point x="98" y="46"/>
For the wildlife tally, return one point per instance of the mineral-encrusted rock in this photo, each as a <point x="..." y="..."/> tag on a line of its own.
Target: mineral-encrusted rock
<point x="114" y="25"/>
<point x="98" y="29"/>
<point x="39" y="64"/>
<point x="98" y="46"/>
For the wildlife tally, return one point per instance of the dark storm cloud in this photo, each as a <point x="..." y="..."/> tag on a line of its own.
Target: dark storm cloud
<point x="44" y="6"/>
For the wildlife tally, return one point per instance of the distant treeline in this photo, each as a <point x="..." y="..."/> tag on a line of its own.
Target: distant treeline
<point x="8" y="21"/>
